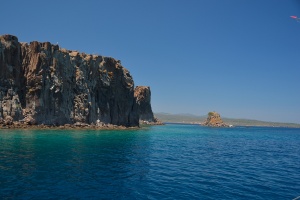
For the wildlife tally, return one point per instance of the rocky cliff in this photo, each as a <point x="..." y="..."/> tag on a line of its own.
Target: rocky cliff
<point x="214" y="120"/>
<point x="40" y="83"/>
<point x="142" y="95"/>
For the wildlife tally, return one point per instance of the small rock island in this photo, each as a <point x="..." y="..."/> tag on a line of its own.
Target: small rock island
<point x="42" y="84"/>
<point x="214" y="120"/>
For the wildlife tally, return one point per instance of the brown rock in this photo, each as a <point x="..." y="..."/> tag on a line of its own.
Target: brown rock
<point x="214" y="120"/>
<point x="30" y="120"/>
<point x="8" y="120"/>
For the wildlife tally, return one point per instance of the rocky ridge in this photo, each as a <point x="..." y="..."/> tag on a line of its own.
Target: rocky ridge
<point x="43" y="84"/>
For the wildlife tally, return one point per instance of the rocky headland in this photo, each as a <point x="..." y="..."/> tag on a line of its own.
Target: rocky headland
<point x="142" y="95"/>
<point x="214" y="120"/>
<point x="42" y="84"/>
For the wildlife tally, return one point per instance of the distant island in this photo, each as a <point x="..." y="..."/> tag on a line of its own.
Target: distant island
<point x="214" y="120"/>
<point x="44" y="85"/>
<point x="194" y="119"/>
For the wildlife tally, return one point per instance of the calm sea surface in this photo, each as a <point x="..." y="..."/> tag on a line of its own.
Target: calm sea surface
<point x="159" y="162"/>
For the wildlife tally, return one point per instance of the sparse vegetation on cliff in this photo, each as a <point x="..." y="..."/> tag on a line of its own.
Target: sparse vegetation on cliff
<point x="210" y="114"/>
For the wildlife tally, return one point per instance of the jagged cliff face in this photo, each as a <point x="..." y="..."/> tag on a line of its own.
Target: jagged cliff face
<point x="43" y="84"/>
<point x="142" y="95"/>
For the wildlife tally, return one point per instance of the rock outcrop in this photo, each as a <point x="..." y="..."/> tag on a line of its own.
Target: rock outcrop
<point x="142" y="95"/>
<point x="40" y="83"/>
<point x="214" y="120"/>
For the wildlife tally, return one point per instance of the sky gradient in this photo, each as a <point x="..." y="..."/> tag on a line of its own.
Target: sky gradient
<point x="239" y="58"/>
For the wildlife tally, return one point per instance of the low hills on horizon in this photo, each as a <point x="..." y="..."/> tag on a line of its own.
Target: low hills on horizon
<point x="195" y="119"/>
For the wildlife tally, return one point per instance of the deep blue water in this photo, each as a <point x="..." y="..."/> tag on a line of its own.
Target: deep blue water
<point x="160" y="162"/>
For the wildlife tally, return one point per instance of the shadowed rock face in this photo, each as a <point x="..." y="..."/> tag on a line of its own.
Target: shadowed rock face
<point x="214" y="120"/>
<point x="142" y="95"/>
<point x="41" y="83"/>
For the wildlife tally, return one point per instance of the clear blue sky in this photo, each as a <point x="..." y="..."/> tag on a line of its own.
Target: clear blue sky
<point x="237" y="57"/>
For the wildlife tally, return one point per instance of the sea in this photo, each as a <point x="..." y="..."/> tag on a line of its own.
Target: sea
<point x="174" y="161"/>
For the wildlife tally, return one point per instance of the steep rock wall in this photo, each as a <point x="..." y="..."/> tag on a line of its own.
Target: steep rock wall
<point x="41" y="83"/>
<point x="143" y="99"/>
<point x="142" y="95"/>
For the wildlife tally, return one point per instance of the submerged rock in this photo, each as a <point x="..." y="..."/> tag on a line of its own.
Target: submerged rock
<point x="214" y="120"/>
<point x="40" y="83"/>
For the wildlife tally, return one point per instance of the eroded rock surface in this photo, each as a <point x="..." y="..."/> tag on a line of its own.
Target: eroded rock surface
<point x="214" y="120"/>
<point x="142" y="95"/>
<point x="40" y="83"/>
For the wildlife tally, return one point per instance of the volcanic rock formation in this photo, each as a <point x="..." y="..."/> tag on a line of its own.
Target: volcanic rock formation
<point x="214" y="120"/>
<point x="40" y="83"/>
<point x="142" y="95"/>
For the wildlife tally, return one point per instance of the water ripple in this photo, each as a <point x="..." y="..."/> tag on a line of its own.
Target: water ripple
<point x="164" y="162"/>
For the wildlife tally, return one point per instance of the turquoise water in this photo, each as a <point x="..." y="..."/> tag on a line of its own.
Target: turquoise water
<point x="160" y="162"/>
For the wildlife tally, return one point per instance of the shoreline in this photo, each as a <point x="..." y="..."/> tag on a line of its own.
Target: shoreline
<point x="194" y="123"/>
<point x="76" y="126"/>
<point x="67" y="127"/>
<point x="113" y="127"/>
<point x="195" y="119"/>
